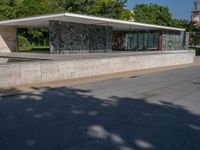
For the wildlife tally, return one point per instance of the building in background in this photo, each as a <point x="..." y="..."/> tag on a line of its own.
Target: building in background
<point x="196" y="13"/>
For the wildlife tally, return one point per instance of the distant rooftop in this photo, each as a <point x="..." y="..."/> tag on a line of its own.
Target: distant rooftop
<point x="197" y="4"/>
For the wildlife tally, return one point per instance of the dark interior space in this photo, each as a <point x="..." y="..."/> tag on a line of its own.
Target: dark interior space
<point x="33" y="40"/>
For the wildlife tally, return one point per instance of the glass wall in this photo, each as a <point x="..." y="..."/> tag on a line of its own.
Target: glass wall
<point x="136" y="41"/>
<point x="153" y="38"/>
<point x="150" y="41"/>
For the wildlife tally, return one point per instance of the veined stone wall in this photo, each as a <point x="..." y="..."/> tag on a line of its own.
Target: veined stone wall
<point x="68" y="37"/>
<point x="45" y="71"/>
<point x="175" y="40"/>
<point x="8" y="39"/>
<point x="187" y="39"/>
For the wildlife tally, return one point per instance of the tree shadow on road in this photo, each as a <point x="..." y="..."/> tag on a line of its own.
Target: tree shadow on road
<point x="73" y="119"/>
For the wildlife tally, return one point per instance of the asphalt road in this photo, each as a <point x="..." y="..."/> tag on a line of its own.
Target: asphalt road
<point x="157" y="111"/>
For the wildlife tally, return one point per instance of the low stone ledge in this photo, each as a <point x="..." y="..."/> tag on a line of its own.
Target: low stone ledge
<point x="45" y="71"/>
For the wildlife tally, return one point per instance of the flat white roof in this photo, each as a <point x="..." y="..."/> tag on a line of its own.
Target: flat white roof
<point x="43" y="21"/>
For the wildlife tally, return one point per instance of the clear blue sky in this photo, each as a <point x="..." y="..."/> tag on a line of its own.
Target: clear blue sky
<point x="180" y="9"/>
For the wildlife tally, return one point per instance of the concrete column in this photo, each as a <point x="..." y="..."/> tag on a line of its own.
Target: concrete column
<point x="8" y="39"/>
<point x="107" y="38"/>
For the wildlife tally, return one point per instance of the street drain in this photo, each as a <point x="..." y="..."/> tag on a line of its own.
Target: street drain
<point x="196" y="83"/>
<point x="132" y="77"/>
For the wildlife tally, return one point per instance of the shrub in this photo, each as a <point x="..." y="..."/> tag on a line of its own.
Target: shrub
<point x="23" y="41"/>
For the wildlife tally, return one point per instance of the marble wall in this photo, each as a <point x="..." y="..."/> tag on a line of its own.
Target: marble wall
<point x="175" y="40"/>
<point x="68" y="37"/>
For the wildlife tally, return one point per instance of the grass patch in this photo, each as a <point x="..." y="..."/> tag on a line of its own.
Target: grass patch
<point x="34" y="48"/>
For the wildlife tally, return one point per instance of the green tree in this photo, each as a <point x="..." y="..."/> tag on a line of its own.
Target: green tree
<point x="8" y="9"/>
<point x="194" y="34"/>
<point x="108" y="8"/>
<point x="152" y="13"/>
<point x="21" y="8"/>
<point x="194" y="38"/>
<point x="127" y="15"/>
<point x="78" y="6"/>
<point x="32" y="8"/>
<point x="181" y="23"/>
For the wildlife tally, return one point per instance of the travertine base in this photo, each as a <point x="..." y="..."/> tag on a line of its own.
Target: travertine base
<point x="36" y="72"/>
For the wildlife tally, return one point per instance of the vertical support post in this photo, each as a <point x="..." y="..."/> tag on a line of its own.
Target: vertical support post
<point x="145" y="40"/>
<point x="49" y="39"/>
<point x="147" y="31"/>
<point x="107" y="41"/>
<point x="160" y="41"/>
<point x="17" y="40"/>
<point x="130" y="46"/>
<point x="60" y="26"/>
<point x="187" y="38"/>
<point x="51" y="45"/>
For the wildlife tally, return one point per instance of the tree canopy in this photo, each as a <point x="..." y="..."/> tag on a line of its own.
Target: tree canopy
<point x="152" y="13"/>
<point x="21" y="8"/>
<point x="160" y="15"/>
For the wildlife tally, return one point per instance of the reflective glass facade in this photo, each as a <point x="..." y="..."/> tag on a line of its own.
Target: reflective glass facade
<point x="136" y="41"/>
<point x="150" y="41"/>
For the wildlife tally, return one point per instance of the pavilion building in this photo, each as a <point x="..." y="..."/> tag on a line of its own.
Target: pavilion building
<point x="75" y="33"/>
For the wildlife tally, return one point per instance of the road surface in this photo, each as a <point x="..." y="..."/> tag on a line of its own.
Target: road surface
<point x="157" y="111"/>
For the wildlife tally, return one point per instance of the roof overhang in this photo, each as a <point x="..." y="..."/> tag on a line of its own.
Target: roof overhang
<point x="43" y="21"/>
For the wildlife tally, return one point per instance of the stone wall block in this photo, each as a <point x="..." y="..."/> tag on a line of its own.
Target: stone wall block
<point x="66" y="70"/>
<point x="10" y="75"/>
<point x="50" y="71"/>
<point x="31" y="72"/>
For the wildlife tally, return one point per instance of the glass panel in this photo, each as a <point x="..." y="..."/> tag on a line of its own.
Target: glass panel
<point x="145" y="41"/>
<point x="150" y="40"/>
<point x="135" y="40"/>
<point x="131" y="41"/>
<point x="140" y="41"/>
<point x="127" y="42"/>
<point x="156" y="36"/>
<point x="153" y="40"/>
